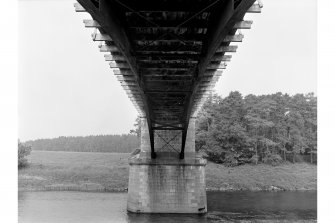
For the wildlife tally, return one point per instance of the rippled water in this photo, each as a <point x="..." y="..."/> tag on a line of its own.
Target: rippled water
<point x="84" y="207"/>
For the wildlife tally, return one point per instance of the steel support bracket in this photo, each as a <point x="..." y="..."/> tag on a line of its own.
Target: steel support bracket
<point x="183" y="142"/>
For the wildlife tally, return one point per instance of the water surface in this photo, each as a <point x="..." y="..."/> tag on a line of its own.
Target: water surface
<point x="85" y="207"/>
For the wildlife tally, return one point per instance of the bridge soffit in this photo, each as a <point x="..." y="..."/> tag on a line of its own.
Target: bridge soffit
<point x="167" y="56"/>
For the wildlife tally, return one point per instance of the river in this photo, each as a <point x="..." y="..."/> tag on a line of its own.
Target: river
<point x="241" y="206"/>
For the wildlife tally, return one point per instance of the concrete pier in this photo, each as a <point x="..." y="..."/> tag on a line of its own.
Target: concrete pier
<point x="167" y="184"/>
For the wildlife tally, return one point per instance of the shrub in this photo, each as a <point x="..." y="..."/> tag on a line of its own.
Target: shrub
<point x="214" y="153"/>
<point x="214" y="157"/>
<point x="230" y="160"/>
<point x="300" y="158"/>
<point x="272" y="159"/>
<point x="254" y="159"/>
<point x="23" y="151"/>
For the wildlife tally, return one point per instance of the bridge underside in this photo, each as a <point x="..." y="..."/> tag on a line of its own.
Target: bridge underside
<point x="167" y="56"/>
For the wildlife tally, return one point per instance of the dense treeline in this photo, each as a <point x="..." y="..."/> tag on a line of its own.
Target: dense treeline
<point x="125" y="143"/>
<point x="236" y="129"/>
<point x="232" y="130"/>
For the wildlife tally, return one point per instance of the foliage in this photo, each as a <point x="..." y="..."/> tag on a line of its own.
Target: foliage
<point x="254" y="159"/>
<point x="137" y="127"/>
<point x="23" y="151"/>
<point x="272" y="159"/>
<point x="232" y="130"/>
<point x="125" y="143"/>
<point x="236" y="130"/>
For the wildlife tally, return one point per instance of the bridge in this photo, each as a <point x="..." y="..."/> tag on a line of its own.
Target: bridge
<point x="167" y="56"/>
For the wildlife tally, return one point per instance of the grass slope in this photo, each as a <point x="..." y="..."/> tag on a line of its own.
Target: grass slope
<point x="298" y="176"/>
<point x="109" y="172"/>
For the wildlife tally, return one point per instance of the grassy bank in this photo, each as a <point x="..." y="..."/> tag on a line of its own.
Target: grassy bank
<point x="109" y="172"/>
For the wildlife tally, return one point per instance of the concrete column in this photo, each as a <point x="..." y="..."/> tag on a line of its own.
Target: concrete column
<point x="190" y="138"/>
<point x="145" y="139"/>
<point x="167" y="184"/>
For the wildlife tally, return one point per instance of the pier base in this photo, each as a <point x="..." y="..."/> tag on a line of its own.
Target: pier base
<point x="167" y="184"/>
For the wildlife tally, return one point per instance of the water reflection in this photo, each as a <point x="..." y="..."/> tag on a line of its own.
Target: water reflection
<point x="111" y="207"/>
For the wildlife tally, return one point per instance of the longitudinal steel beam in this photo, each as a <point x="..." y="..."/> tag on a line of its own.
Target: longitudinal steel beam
<point x="219" y="29"/>
<point x="106" y="17"/>
<point x="183" y="142"/>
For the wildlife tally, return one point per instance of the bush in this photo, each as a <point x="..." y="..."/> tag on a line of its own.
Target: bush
<point x="231" y="159"/>
<point x="273" y="159"/>
<point x="227" y="158"/>
<point x="214" y="157"/>
<point x="254" y="159"/>
<point x="23" y="151"/>
<point x="300" y="158"/>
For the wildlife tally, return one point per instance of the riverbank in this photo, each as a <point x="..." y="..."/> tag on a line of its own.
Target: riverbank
<point x="108" y="172"/>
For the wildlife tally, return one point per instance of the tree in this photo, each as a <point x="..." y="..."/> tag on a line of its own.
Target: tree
<point x="235" y="130"/>
<point x="137" y="127"/>
<point x="221" y="132"/>
<point x="23" y="151"/>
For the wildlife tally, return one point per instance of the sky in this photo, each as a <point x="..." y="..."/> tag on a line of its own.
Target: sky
<point x="67" y="89"/>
